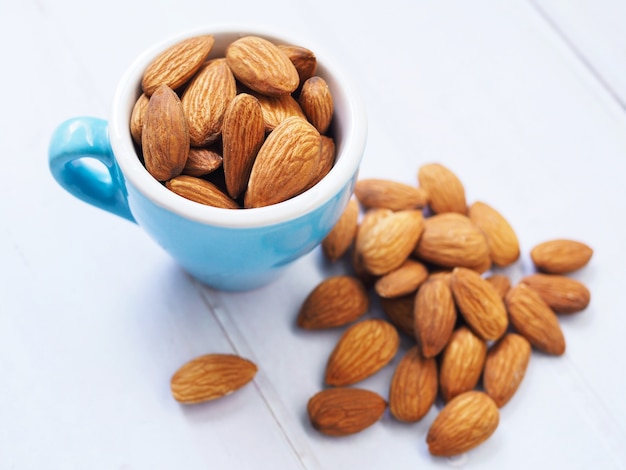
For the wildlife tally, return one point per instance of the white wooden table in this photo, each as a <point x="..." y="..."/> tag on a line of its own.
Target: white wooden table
<point x="524" y="100"/>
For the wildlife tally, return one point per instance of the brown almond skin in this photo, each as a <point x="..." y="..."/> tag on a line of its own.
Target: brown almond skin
<point x="342" y="235"/>
<point x="262" y="66"/>
<point x="202" y="161"/>
<point x="445" y="190"/>
<point x="462" y="363"/>
<point x="505" y="367"/>
<point x="450" y="240"/>
<point x="177" y="64"/>
<point x="326" y="160"/>
<point x="136" y="118"/>
<point x="562" y="294"/>
<point x="165" y="136"/>
<point x="388" y="244"/>
<point x="403" y="280"/>
<point x="243" y="134"/>
<point x="336" y="301"/>
<point x="465" y="422"/>
<point x="503" y="242"/>
<point x="363" y="349"/>
<point x="535" y="320"/>
<point x="317" y="103"/>
<point x="560" y="256"/>
<point x="382" y="193"/>
<point x="500" y="282"/>
<point x="479" y="303"/>
<point x="434" y="316"/>
<point x="285" y="163"/>
<point x="399" y="311"/>
<point x="303" y="59"/>
<point x="201" y="191"/>
<point x="211" y="376"/>
<point x="413" y="388"/>
<point x="345" y="411"/>
<point x="278" y="108"/>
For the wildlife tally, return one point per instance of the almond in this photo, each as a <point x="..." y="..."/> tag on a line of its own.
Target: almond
<point x="278" y="108"/>
<point x="382" y="193"/>
<point x="262" y="66"/>
<point x="303" y="59"/>
<point x="390" y="241"/>
<point x="503" y="243"/>
<point x="341" y="236"/>
<point x="535" y="320"/>
<point x="500" y="282"/>
<point x="560" y="256"/>
<point x="479" y="303"/>
<point x="505" y="367"/>
<point x="462" y="363"/>
<point x="201" y="162"/>
<point x="562" y="294"/>
<point x="325" y="162"/>
<point x="434" y="316"/>
<point x="363" y="349"/>
<point x="243" y="133"/>
<point x="336" y="301"/>
<point x="344" y="411"/>
<point x="464" y="423"/>
<point x="165" y="136"/>
<point x="211" y="376"/>
<point x="445" y="190"/>
<point x="452" y="240"/>
<point x="201" y="191"/>
<point x="413" y="387"/>
<point x="367" y="225"/>
<point x="403" y="280"/>
<point x="317" y="103"/>
<point x="285" y="163"/>
<point x="177" y="64"/>
<point x="136" y="118"/>
<point x="399" y="310"/>
<point x="205" y="101"/>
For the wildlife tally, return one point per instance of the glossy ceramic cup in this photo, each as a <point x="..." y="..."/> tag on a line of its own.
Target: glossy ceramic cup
<point x="223" y="248"/>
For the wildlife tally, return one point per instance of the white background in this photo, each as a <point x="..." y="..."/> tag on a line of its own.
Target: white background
<point x="524" y="100"/>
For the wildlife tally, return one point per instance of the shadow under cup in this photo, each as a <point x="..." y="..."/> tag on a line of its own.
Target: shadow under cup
<point x="229" y="249"/>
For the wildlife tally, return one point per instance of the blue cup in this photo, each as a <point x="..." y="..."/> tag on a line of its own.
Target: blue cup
<point x="226" y="249"/>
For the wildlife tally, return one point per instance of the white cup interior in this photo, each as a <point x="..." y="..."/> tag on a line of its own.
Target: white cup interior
<point x="349" y="129"/>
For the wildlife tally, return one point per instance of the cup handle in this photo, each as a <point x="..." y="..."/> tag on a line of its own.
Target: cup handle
<point x="76" y="147"/>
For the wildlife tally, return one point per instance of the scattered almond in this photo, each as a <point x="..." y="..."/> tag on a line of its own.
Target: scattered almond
<point x="445" y="190"/>
<point x="434" y="316"/>
<point x="403" y="280"/>
<point x="562" y="294"/>
<point x="500" y="282"/>
<point x="382" y="193"/>
<point x="560" y="256"/>
<point x="503" y="243"/>
<point x="505" y="367"/>
<point x="399" y="311"/>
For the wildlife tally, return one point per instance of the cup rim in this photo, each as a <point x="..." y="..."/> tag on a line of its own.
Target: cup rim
<point x="354" y="131"/>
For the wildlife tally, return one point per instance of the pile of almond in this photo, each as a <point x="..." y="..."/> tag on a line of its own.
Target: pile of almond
<point x="432" y="262"/>
<point x="241" y="131"/>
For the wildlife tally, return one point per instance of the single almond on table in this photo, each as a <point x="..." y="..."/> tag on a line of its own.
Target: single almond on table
<point x="462" y="363"/>
<point x="465" y="422"/>
<point x="136" y="118"/>
<point x="303" y="59"/>
<point x="202" y="161"/>
<point x="535" y="320"/>
<point x="561" y="293"/>
<point x="434" y="316"/>
<point x="326" y="160"/>
<point x="500" y="282"/>
<point x="479" y="303"/>
<point x="445" y="191"/>
<point x="505" y="367"/>
<point x="211" y="376"/>
<point x="403" y="280"/>
<point x="560" y="256"/>
<point x="450" y="240"/>
<point x="382" y="193"/>
<point x="243" y="133"/>
<point x="388" y="244"/>
<point x="165" y="135"/>
<point x="201" y="191"/>
<point x="344" y="411"/>
<point x="276" y="109"/>
<point x="177" y="64"/>
<point x="317" y="103"/>
<point x="336" y="301"/>
<point x="399" y="311"/>
<point x="341" y="236"/>
<point x="503" y="243"/>
<point x="285" y="164"/>
<point x="262" y="66"/>
<point x="363" y="349"/>
<point x="413" y="387"/>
